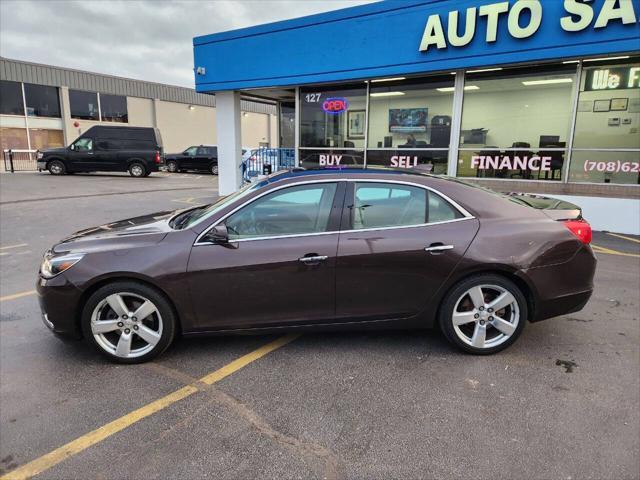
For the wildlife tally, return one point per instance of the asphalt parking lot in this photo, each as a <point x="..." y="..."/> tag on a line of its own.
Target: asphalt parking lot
<point x="563" y="402"/>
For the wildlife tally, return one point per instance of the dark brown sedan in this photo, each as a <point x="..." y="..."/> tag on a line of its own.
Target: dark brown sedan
<point x="321" y="249"/>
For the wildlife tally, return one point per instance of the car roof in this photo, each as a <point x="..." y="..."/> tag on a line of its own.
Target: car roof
<point x="338" y="173"/>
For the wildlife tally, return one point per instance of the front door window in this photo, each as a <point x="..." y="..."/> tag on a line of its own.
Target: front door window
<point x="297" y="210"/>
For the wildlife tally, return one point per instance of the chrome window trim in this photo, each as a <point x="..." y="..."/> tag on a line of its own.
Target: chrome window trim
<point x="465" y="214"/>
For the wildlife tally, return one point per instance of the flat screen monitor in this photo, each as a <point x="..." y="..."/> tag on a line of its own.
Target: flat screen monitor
<point x="408" y="120"/>
<point x="546" y="140"/>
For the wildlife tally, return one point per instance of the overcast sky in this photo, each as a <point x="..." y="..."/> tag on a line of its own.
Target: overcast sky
<point x="145" y="39"/>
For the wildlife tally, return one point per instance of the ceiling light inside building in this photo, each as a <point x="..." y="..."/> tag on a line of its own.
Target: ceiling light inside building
<point x="551" y="81"/>
<point x="497" y="69"/>
<point x="387" y="94"/>
<point x="452" y="89"/>
<point x="393" y="79"/>
<point x="604" y="59"/>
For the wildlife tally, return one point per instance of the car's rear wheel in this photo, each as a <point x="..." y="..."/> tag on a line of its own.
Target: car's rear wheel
<point x="172" y="167"/>
<point x="128" y="322"/>
<point x="214" y="169"/>
<point x="483" y="314"/>
<point x="56" y="167"/>
<point x="137" y="170"/>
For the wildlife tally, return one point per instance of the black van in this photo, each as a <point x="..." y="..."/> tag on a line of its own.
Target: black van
<point x="137" y="150"/>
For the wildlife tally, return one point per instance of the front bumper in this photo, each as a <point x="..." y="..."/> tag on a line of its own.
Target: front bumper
<point x="41" y="165"/>
<point x="59" y="303"/>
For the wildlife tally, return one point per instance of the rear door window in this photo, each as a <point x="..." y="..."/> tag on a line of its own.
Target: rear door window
<point x="383" y="205"/>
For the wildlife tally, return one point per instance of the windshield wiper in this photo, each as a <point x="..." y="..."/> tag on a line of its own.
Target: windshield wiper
<point x="183" y="218"/>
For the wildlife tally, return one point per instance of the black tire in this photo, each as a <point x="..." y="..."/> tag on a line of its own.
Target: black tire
<point x="56" y="167"/>
<point x="172" y="167"/>
<point x="137" y="169"/>
<point x="445" y="315"/>
<point x="164" y="309"/>
<point x="213" y="168"/>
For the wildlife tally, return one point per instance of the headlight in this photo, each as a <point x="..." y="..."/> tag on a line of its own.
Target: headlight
<point x="53" y="264"/>
<point x="39" y="155"/>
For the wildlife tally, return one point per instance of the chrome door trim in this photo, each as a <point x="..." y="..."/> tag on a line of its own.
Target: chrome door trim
<point x="457" y="206"/>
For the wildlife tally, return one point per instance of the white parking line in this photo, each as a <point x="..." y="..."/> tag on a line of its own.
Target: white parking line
<point x="14" y="246"/>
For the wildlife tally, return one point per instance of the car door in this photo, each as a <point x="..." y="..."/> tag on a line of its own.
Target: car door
<point x="105" y="155"/>
<point x="279" y="265"/>
<point x="203" y="158"/>
<point x="399" y="243"/>
<point x="188" y="160"/>
<point x="81" y="155"/>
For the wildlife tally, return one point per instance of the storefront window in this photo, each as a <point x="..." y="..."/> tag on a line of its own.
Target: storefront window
<point x="515" y="123"/>
<point x="11" y="98"/>
<point x="333" y="117"/>
<point x="605" y="167"/>
<point x="607" y="134"/>
<point x="114" y="108"/>
<point x="84" y="105"/>
<point x="411" y="114"/>
<point x="42" y="101"/>
<point x="609" y="107"/>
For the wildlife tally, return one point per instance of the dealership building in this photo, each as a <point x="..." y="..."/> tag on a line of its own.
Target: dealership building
<point x="43" y="106"/>
<point x="540" y="96"/>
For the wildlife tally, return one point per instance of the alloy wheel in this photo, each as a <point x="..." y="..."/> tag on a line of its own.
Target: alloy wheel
<point x="137" y="170"/>
<point x="485" y="316"/>
<point x="126" y="325"/>
<point x="172" y="167"/>
<point x="55" y="168"/>
<point x="214" y="169"/>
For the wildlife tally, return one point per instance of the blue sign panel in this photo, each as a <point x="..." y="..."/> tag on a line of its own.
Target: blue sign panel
<point x="398" y="37"/>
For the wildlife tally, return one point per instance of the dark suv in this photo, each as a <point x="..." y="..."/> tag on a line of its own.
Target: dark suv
<point x="199" y="157"/>
<point x="137" y="150"/>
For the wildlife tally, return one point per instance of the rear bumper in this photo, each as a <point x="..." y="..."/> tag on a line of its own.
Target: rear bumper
<point x="563" y="288"/>
<point x="59" y="300"/>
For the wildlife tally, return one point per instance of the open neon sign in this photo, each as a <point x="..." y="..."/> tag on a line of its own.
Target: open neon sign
<point x="335" y="106"/>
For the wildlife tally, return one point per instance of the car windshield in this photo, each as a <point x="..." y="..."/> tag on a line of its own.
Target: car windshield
<point x="191" y="217"/>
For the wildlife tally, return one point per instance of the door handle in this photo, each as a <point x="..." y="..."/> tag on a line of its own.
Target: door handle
<point x="437" y="248"/>
<point x="313" y="259"/>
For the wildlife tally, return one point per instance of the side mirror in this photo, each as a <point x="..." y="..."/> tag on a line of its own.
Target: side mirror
<point x="72" y="146"/>
<point x="218" y="234"/>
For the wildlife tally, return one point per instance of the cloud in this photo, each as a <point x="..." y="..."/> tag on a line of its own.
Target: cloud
<point x="145" y="39"/>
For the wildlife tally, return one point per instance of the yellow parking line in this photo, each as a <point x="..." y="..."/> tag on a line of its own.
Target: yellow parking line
<point x="14" y="246"/>
<point x="17" y="295"/>
<point x="623" y="237"/>
<point x="80" y="444"/>
<point x="609" y="251"/>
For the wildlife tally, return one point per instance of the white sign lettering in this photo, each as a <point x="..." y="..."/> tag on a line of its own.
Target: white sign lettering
<point x="581" y="15"/>
<point x="403" y="161"/>
<point x="329" y="160"/>
<point x="534" y="163"/>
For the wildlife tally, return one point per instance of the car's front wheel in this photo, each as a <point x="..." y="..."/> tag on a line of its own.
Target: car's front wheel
<point x="483" y="314"/>
<point x="56" y="167"/>
<point x="172" y="167"/>
<point x="128" y="322"/>
<point x="214" y="169"/>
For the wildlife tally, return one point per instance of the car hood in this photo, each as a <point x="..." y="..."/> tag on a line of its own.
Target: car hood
<point x="121" y="234"/>
<point x="50" y="151"/>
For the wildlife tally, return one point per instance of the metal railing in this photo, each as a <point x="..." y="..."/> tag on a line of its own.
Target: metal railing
<point x="20" y="160"/>
<point x="264" y="161"/>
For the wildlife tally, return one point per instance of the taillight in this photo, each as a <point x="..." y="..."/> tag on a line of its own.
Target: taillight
<point x="157" y="157"/>
<point x="581" y="229"/>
